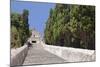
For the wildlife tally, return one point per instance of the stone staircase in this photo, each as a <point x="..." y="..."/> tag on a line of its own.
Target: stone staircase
<point x="37" y="55"/>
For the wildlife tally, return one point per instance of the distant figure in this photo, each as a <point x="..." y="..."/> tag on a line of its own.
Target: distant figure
<point x="29" y="44"/>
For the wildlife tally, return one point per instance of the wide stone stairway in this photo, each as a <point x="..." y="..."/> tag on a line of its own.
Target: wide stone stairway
<point x="37" y="55"/>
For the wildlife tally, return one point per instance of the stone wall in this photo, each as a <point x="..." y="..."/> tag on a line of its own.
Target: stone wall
<point x="18" y="55"/>
<point x="71" y="54"/>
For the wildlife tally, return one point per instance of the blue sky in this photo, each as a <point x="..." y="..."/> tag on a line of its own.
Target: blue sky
<point x="38" y="13"/>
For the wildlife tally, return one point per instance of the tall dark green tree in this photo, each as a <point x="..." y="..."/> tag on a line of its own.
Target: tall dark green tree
<point x="71" y="26"/>
<point x="19" y="28"/>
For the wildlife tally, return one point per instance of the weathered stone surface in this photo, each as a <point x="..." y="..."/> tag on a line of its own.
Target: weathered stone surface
<point x="71" y="54"/>
<point x="18" y="55"/>
<point x="37" y="55"/>
<point x="40" y="53"/>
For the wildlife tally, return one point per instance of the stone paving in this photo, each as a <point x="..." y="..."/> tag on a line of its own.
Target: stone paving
<point x="37" y="55"/>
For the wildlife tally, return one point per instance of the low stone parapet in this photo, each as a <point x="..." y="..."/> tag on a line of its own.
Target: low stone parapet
<point x="71" y="54"/>
<point x="18" y="55"/>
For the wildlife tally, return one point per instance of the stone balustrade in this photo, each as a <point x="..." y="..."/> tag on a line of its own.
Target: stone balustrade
<point x="71" y="54"/>
<point x="18" y="55"/>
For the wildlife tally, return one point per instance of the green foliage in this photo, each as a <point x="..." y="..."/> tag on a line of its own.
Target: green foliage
<point x="71" y="26"/>
<point x="19" y="28"/>
<point x="15" y="37"/>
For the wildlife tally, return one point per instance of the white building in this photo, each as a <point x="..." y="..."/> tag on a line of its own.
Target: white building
<point x="35" y="37"/>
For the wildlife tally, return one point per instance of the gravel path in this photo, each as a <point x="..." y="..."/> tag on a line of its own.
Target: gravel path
<point x="37" y="55"/>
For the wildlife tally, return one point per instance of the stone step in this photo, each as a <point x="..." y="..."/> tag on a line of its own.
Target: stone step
<point x="37" y="55"/>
